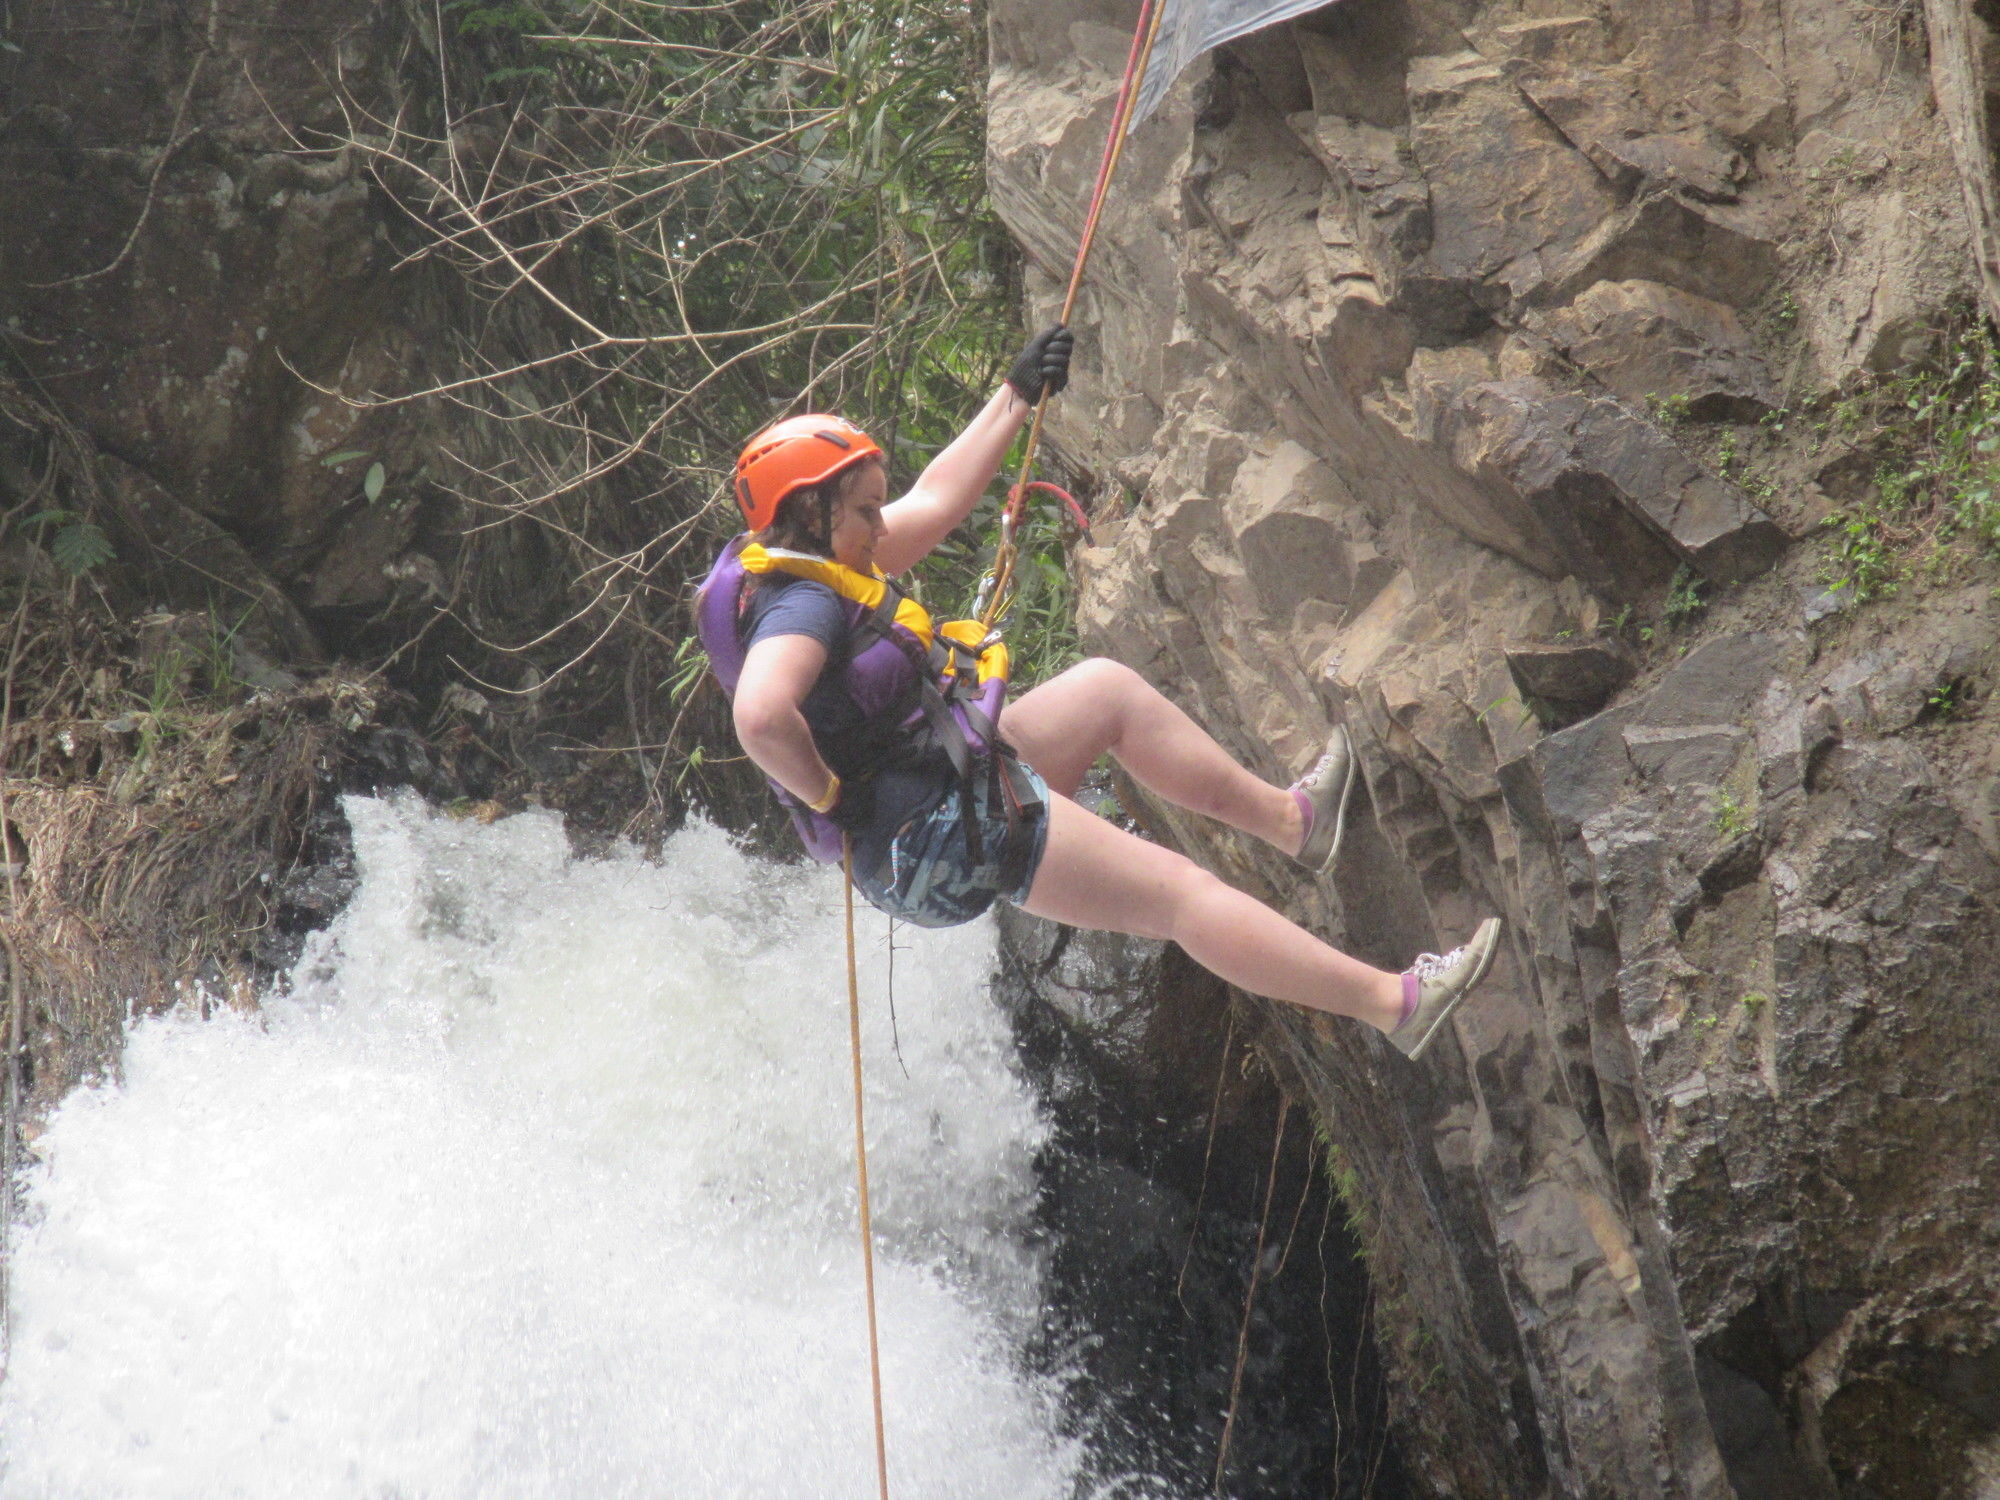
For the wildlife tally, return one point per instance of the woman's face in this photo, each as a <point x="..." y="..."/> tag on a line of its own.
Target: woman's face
<point x="857" y="517"/>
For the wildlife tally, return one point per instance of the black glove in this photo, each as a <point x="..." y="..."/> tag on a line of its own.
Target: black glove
<point x="1044" y="364"/>
<point x="856" y="805"/>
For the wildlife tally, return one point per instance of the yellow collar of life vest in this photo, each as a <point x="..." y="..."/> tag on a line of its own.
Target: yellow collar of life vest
<point x="867" y="589"/>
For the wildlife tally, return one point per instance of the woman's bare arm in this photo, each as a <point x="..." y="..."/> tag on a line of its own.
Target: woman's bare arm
<point x="778" y="672"/>
<point x="951" y="485"/>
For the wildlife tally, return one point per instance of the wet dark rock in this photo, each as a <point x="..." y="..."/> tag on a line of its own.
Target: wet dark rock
<point x="1152" y="1207"/>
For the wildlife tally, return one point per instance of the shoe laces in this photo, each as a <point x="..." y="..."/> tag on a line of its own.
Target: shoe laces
<point x="1435" y="965"/>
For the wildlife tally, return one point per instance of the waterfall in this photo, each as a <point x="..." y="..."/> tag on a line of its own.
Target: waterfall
<point x="536" y="1180"/>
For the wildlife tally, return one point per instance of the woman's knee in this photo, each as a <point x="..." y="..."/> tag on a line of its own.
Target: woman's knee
<point x="1102" y="671"/>
<point x="1190" y="894"/>
<point x="1114" y="688"/>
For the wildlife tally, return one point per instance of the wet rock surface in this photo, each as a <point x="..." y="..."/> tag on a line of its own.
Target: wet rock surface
<point x="1153" y="1195"/>
<point x="1419" y="344"/>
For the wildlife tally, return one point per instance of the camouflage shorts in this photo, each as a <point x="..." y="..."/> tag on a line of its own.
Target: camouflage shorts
<point x="927" y="876"/>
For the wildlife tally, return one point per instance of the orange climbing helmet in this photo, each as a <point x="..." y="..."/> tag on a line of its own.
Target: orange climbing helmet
<point x="792" y="454"/>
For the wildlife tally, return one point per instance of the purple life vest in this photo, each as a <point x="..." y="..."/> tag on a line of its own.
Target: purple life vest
<point x="918" y="687"/>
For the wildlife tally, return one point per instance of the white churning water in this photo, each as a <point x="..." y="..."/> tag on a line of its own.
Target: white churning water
<point x="539" y="1182"/>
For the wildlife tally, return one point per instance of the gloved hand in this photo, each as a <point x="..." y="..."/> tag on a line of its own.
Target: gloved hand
<point x="1044" y="364"/>
<point x="856" y="805"/>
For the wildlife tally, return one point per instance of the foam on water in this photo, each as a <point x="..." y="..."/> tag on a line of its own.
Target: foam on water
<point x="539" y="1182"/>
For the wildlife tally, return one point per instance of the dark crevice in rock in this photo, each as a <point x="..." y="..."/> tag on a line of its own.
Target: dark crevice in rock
<point x="1151" y="1222"/>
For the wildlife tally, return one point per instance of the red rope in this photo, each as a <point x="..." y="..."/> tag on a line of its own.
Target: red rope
<point x="1018" y="494"/>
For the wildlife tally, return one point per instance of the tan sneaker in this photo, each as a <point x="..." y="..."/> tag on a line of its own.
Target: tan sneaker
<point x="1322" y="794"/>
<point x="1443" y="981"/>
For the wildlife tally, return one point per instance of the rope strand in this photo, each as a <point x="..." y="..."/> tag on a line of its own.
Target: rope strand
<point x="1000" y="594"/>
<point x="1250" y="1297"/>
<point x="861" y="1167"/>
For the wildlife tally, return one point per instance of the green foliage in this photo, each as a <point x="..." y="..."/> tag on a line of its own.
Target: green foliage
<point x="1732" y="819"/>
<point x="1754" y="1001"/>
<point x="1684" y="597"/>
<point x="1945" y="701"/>
<point x="1937" y="488"/>
<point x="793" y="207"/>
<point x="1785" y="316"/>
<point x="75" y="543"/>
<point x="1668" y="410"/>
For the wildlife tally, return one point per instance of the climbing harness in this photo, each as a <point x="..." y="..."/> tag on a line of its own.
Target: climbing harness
<point x="861" y="1170"/>
<point x="996" y="593"/>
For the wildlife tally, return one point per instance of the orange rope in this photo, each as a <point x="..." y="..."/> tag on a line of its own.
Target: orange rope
<point x="1000" y="594"/>
<point x="861" y="1167"/>
<point x="1250" y="1297"/>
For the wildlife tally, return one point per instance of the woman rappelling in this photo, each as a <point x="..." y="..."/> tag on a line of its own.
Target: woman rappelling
<point x="883" y="732"/>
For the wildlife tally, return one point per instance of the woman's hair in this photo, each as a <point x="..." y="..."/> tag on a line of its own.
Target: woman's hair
<point x="800" y="524"/>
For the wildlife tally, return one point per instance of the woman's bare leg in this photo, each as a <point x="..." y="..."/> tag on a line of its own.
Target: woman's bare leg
<point x="1101" y="706"/>
<point x="1096" y="875"/>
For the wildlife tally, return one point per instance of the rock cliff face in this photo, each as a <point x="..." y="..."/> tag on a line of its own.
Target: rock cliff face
<point x="1440" y="364"/>
<point x="188" y="256"/>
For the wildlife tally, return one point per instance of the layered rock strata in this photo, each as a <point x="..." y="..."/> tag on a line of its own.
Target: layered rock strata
<point x="1404" y="352"/>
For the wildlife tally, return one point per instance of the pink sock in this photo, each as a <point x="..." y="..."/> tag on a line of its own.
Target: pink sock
<point x="1305" y="813"/>
<point x="1409" y="1000"/>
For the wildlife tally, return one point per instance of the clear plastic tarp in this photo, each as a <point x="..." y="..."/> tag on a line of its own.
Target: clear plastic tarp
<point x="1190" y="27"/>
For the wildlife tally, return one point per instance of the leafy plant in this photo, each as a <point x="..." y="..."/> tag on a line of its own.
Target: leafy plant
<point x="1684" y="597"/>
<point x="1668" y="410"/>
<point x="1731" y="819"/>
<point x="1945" y="701"/>
<point x="75" y="543"/>
<point x="1937" y="431"/>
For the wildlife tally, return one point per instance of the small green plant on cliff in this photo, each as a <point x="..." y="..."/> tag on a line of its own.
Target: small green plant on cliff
<point x="1935" y="500"/>
<point x="1785" y="316"/>
<point x="1754" y="1002"/>
<point x="1945" y="701"/>
<point x="1668" y="410"/>
<point x="1731" y="819"/>
<point x="1684" y="597"/>
<point x="1346" y="1185"/>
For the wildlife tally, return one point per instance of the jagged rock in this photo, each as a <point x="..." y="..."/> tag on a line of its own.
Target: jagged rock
<point x="1602" y="493"/>
<point x="1573" y="682"/>
<point x="1510" y="198"/>
<point x="1650" y="343"/>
